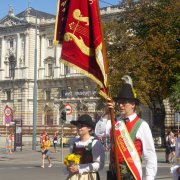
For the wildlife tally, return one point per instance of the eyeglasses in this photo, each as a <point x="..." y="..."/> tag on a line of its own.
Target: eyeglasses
<point x="123" y="101"/>
<point x="81" y="125"/>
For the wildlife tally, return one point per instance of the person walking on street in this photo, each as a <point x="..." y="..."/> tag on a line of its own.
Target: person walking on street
<point x="175" y="170"/>
<point x="45" y="151"/>
<point x="133" y="137"/>
<point x="43" y="137"/>
<point x="9" y="143"/>
<point x="55" y="141"/>
<point x="91" y="151"/>
<point x="168" y="146"/>
<point x="172" y="148"/>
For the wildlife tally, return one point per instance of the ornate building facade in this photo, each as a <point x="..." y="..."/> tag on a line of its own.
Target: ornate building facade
<point x="58" y="85"/>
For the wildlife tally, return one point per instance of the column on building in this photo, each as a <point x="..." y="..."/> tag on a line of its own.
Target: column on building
<point x="2" y="58"/>
<point x="26" y="54"/>
<point x="57" y="51"/>
<point x="18" y="53"/>
<point x="42" y="57"/>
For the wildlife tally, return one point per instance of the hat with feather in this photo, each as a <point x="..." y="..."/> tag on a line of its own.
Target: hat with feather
<point x="127" y="91"/>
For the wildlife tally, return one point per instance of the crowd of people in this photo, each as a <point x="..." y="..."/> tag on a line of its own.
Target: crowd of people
<point x="133" y="141"/>
<point x="132" y="135"/>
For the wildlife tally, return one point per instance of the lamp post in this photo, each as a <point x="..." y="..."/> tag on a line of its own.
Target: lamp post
<point x="35" y="92"/>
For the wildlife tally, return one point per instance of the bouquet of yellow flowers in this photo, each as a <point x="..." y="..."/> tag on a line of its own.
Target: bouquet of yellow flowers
<point x="72" y="159"/>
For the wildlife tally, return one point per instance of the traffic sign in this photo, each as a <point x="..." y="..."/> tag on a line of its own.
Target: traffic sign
<point x="68" y="109"/>
<point x="8" y="111"/>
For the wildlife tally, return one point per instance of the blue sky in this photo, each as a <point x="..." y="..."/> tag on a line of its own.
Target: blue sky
<point x="48" y="6"/>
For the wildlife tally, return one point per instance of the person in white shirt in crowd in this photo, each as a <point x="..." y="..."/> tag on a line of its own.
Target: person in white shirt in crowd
<point x="136" y="130"/>
<point x="172" y="147"/>
<point x="175" y="170"/>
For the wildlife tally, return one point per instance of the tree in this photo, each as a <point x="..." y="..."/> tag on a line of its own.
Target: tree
<point x="144" y="43"/>
<point x="175" y="94"/>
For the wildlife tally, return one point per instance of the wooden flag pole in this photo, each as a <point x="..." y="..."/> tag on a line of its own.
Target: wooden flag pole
<point x="118" y="175"/>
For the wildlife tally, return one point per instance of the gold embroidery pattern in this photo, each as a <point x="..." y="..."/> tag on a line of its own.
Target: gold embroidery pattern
<point x="78" y="16"/>
<point x="80" y="43"/>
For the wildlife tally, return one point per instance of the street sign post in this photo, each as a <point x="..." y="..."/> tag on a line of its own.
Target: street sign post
<point x="68" y="109"/>
<point x="8" y="113"/>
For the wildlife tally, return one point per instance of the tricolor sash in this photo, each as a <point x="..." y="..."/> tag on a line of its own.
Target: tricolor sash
<point x="128" y="150"/>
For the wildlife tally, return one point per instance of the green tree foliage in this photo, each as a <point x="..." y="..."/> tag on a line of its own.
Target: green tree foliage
<point x="144" y="43"/>
<point x="175" y="94"/>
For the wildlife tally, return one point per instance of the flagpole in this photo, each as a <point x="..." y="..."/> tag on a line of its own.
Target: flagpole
<point x="118" y="175"/>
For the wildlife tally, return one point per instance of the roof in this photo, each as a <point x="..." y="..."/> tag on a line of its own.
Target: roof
<point x="34" y="12"/>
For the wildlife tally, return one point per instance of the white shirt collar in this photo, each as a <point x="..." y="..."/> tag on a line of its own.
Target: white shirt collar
<point x="132" y="117"/>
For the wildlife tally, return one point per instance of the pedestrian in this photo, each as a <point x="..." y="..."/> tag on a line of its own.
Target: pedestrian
<point x="175" y="170"/>
<point x="90" y="150"/>
<point x="9" y="143"/>
<point x="172" y="147"/>
<point x="133" y="137"/>
<point x="43" y="136"/>
<point x="45" y="151"/>
<point x="55" y="141"/>
<point x="168" y="146"/>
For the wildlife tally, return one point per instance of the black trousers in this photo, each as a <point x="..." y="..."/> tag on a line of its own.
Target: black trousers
<point x="112" y="176"/>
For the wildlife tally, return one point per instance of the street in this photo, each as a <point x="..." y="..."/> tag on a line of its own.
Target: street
<point x="26" y="165"/>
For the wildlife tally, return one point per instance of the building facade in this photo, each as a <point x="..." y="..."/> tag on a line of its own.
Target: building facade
<point x="58" y="85"/>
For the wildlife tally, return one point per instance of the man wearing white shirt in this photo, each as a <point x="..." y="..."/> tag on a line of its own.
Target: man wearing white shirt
<point x="136" y="141"/>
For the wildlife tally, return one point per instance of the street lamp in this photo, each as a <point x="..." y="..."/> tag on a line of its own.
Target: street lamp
<point x="35" y="92"/>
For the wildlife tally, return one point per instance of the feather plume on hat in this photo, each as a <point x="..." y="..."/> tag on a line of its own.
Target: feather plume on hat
<point x="128" y="80"/>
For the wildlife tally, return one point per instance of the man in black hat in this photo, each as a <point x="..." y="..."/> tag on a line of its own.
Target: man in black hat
<point x="133" y="137"/>
<point x="90" y="149"/>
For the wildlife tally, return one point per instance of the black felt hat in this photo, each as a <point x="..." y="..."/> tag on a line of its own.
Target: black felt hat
<point x="86" y="120"/>
<point x="126" y="93"/>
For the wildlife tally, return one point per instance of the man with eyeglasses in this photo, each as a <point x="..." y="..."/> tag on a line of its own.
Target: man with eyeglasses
<point x="133" y="137"/>
<point x="90" y="149"/>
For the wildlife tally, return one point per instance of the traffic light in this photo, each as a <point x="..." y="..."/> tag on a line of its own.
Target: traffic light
<point x="63" y="116"/>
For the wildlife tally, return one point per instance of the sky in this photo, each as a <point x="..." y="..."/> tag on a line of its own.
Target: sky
<point x="48" y="6"/>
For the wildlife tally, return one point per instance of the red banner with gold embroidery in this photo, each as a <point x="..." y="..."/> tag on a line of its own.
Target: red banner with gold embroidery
<point x="78" y="26"/>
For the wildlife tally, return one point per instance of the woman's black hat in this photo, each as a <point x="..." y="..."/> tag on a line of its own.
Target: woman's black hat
<point x="86" y="120"/>
<point x="126" y="93"/>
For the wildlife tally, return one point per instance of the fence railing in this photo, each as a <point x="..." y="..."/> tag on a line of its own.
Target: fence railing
<point x="68" y="130"/>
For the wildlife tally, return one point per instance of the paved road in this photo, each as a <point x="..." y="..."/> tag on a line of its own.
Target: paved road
<point x="26" y="165"/>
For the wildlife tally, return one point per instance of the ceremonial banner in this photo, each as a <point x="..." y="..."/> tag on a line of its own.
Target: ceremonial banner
<point x="78" y="28"/>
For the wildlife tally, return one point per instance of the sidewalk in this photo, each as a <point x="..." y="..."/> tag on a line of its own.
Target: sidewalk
<point x="28" y="158"/>
<point x="27" y="155"/>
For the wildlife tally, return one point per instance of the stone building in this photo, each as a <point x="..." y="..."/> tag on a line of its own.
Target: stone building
<point x="58" y="84"/>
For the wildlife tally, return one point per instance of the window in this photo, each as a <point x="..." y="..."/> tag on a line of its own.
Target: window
<point x="48" y="95"/>
<point x="50" y="43"/>
<point x="50" y="69"/>
<point x="8" y="95"/>
<point x="11" y="43"/>
<point x="12" y="65"/>
<point x="63" y="93"/>
<point x="66" y="70"/>
<point x="49" y="66"/>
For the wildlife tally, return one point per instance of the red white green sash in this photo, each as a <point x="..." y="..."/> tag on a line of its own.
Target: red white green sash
<point x="128" y="150"/>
